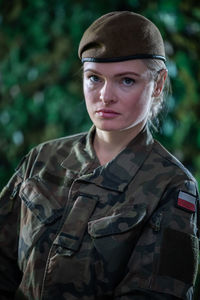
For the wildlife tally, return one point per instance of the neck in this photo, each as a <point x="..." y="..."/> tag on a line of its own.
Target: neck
<point x="108" y="144"/>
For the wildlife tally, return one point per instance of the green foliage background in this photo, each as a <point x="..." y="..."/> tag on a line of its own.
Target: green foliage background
<point x="40" y="73"/>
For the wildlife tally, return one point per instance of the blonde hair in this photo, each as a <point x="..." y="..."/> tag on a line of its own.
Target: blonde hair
<point x="155" y="66"/>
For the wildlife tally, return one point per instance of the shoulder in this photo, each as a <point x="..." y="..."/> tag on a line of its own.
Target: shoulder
<point x="64" y="143"/>
<point x="169" y="160"/>
<point x="52" y="151"/>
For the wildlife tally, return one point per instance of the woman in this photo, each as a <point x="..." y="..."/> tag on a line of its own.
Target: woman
<point x="107" y="214"/>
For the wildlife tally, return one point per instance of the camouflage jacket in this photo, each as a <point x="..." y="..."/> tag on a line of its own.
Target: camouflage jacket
<point x="72" y="229"/>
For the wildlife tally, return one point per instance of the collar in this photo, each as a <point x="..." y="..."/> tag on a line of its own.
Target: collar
<point x="116" y="174"/>
<point x="82" y="156"/>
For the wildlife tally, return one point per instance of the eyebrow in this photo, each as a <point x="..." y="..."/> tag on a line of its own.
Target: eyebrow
<point x="117" y="75"/>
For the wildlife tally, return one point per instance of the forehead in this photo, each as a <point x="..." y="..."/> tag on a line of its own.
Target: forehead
<point x="115" y="68"/>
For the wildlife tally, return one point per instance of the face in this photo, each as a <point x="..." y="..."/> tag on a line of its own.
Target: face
<point x="118" y="95"/>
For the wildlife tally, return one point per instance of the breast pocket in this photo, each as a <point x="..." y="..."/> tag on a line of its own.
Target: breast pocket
<point x="39" y="210"/>
<point x="114" y="238"/>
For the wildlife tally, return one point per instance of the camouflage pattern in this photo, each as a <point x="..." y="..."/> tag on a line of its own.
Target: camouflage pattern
<point x="72" y="229"/>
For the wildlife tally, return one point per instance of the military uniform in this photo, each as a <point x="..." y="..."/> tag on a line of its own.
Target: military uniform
<point x="72" y="229"/>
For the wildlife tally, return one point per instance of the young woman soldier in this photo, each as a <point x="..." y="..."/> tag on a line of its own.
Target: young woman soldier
<point x="108" y="214"/>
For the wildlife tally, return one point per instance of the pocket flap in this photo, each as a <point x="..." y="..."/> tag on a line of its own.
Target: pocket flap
<point x="40" y="201"/>
<point x="117" y="223"/>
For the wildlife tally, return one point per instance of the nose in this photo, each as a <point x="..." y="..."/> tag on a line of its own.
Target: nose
<point x="107" y="93"/>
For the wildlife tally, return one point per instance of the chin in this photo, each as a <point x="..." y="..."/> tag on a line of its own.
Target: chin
<point x="123" y="128"/>
<point x="110" y="128"/>
<point x="106" y="127"/>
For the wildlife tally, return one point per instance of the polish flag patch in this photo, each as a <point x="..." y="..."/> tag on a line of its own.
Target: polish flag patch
<point x="186" y="201"/>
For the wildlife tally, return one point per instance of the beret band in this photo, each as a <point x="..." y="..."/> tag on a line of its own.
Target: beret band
<point x="123" y="58"/>
<point x="119" y="36"/>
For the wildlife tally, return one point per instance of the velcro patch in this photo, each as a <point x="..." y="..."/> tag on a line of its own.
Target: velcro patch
<point x="186" y="202"/>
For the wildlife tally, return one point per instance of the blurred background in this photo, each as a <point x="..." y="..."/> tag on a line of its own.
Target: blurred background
<point x="40" y="73"/>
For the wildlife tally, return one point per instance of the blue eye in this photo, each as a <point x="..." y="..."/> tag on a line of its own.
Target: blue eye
<point x="128" y="81"/>
<point x="94" y="78"/>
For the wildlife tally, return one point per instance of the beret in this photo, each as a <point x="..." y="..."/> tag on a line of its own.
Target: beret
<point x="119" y="36"/>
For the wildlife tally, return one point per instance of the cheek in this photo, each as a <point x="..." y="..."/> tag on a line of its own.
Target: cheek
<point x="146" y="90"/>
<point x="141" y="101"/>
<point x="89" y="100"/>
<point x="146" y="96"/>
<point x="85" y="89"/>
<point x="89" y="93"/>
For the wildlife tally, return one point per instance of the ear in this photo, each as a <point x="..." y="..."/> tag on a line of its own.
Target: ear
<point x="159" y="83"/>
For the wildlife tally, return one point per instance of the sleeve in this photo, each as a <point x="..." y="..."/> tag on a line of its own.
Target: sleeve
<point x="10" y="275"/>
<point x="164" y="262"/>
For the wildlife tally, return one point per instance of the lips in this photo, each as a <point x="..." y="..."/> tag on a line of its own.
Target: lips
<point x="107" y="113"/>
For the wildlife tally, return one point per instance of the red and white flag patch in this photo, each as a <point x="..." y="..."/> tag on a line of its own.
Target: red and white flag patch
<point x="187" y="201"/>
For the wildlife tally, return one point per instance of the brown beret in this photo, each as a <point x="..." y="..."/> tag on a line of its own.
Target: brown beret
<point x="119" y="36"/>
